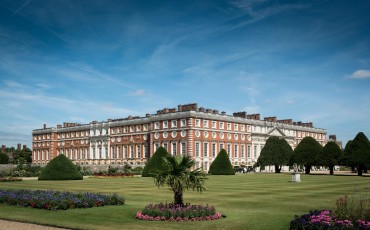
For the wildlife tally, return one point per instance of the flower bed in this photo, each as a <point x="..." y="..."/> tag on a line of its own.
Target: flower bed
<point x="171" y="212"/>
<point x="54" y="200"/>
<point x="9" y="179"/>
<point x="325" y="219"/>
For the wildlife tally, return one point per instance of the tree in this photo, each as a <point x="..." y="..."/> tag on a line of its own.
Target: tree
<point x="306" y="153"/>
<point x="358" y="152"/>
<point x="221" y="165"/>
<point x="60" y="168"/>
<point x="330" y="156"/>
<point x="23" y="156"/>
<point x="177" y="175"/>
<point x="276" y="152"/>
<point x="155" y="162"/>
<point x="4" y="158"/>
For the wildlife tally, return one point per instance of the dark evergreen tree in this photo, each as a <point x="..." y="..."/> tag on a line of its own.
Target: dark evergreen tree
<point x="4" y="158"/>
<point x="276" y="152"/>
<point x="221" y="165"/>
<point x="306" y="153"/>
<point x="358" y="152"/>
<point x="60" y="168"/>
<point x="330" y="156"/>
<point x="155" y="162"/>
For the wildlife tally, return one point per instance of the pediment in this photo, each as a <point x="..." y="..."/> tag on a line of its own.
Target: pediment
<point x="276" y="132"/>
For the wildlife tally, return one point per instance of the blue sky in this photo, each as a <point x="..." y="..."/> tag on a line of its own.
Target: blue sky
<point x="79" y="61"/>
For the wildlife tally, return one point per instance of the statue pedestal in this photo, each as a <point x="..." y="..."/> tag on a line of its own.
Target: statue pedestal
<point x="296" y="177"/>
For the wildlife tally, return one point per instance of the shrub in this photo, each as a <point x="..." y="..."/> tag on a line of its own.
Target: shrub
<point x="53" y="200"/>
<point x="155" y="162"/>
<point x="4" y="158"/>
<point x="60" y="168"/>
<point x="137" y="170"/>
<point x="172" y="212"/>
<point x="221" y="165"/>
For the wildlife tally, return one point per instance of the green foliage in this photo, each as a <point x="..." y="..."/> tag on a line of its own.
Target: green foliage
<point x="176" y="174"/>
<point x="4" y="158"/>
<point x="60" y="168"/>
<point x="24" y="155"/>
<point x="358" y="152"/>
<point x="155" y="162"/>
<point x="276" y="152"/>
<point x="330" y="156"/>
<point x="221" y="165"/>
<point x="306" y="153"/>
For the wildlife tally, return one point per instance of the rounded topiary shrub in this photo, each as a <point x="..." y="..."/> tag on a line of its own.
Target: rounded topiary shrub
<point x="60" y="168"/>
<point x="221" y="165"/>
<point x="155" y="162"/>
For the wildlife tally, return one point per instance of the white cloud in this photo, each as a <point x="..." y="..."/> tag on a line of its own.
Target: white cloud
<point x="360" y="74"/>
<point x="139" y="92"/>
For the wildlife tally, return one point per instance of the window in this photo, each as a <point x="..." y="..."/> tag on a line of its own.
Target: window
<point x="125" y="152"/>
<point x="146" y="152"/>
<point x="197" y="123"/>
<point x="106" y="153"/>
<point x="132" y="152"/>
<point x="183" y="148"/>
<point x="242" y="128"/>
<point x="205" y="149"/>
<point x="113" y="156"/>
<point x="119" y="152"/>
<point x="213" y="124"/>
<point x="67" y="135"/>
<point x="197" y="149"/>
<point x="156" y="125"/>
<point x="138" y="151"/>
<point x="156" y="146"/>
<point x="235" y="151"/>
<point x="125" y="129"/>
<point x="213" y="149"/>
<point x="174" y="148"/>
<point x="173" y="124"/>
<point x="228" y="126"/>
<point x="131" y="129"/>
<point x="118" y="130"/>
<point x="183" y="122"/>
<point x="145" y="127"/>
<point x="228" y="149"/>
<point x="221" y="125"/>
<point x="165" y="145"/>
<point x="165" y="124"/>
<point x="221" y="146"/>
<point x="205" y="123"/>
<point x="242" y="151"/>
<point x="255" y="152"/>
<point x="138" y="128"/>
<point x="236" y="127"/>
<point x="100" y="153"/>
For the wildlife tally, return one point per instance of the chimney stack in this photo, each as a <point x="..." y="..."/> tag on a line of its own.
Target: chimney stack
<point x="3" y="148"/>
<point x="44" y="126"/>
<point x="24" y="147"/>
<point x="19" y="147"/>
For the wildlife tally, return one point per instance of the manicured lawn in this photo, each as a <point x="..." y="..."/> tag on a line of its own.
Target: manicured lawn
<point x="250" y="201"/>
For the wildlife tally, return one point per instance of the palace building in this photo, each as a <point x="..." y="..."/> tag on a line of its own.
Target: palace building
<point x="198" y="132"/>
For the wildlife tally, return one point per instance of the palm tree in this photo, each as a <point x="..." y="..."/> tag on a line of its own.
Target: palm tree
<point x="177" y="175"/>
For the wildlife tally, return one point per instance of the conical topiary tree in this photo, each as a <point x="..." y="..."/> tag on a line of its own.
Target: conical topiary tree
<point x="60" y="168"/>
<point x="155" y="162"/>
<point x="221" y="165"/>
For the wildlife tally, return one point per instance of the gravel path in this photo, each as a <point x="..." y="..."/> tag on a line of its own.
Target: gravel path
<point x="11" y="225"/>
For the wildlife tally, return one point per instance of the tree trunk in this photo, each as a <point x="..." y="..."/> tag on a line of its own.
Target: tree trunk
<point x="307" y="169"/>
<point x="178" y="197"/>
<point x="277" y="169"/>
<point x="331" y="168"/>
<point x="359" y="170"/>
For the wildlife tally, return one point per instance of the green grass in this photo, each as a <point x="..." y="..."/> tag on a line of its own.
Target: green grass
<point x="250" y="201"/>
